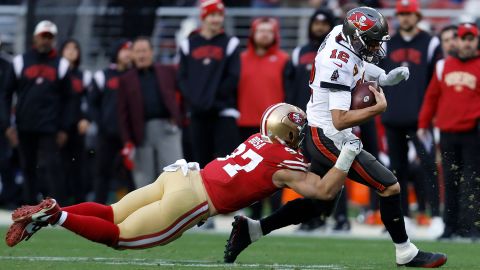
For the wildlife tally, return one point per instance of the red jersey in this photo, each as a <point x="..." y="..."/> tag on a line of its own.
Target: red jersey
<point x="453" y="96"/>
<point x="246" y="175"/>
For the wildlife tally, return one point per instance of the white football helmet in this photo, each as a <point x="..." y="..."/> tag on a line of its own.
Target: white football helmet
<point x="283" y="123"/>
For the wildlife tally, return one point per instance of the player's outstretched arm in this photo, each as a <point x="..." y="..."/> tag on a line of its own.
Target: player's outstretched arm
<point x="313" y="186"/>
<point x="395" y="76"/>
<point x="347" y="119"/>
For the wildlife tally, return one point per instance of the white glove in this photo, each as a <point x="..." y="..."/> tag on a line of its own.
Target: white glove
<point x="349" y="151"/>
<point x="395" y="76"/>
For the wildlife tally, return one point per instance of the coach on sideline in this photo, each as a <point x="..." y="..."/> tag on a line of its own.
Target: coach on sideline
<point x="41" y="81"/>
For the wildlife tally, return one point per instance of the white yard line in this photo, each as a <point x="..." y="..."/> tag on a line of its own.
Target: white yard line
<point x="156" y="262"/>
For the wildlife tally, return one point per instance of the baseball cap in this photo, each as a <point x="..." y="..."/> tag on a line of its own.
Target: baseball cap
<point x="467" y="28"/>
<point x="45" y="27"/>
<point x="407" y="6"/>
<point x="210" y="6"/>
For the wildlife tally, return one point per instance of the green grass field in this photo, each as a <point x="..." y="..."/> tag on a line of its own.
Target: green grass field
<point x="54" y="249"/>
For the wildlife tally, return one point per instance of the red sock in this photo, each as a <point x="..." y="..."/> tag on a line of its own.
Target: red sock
<point x="92" y="228"/>
<point x="91" y="209"/>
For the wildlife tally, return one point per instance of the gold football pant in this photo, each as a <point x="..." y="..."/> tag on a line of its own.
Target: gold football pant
<point x="160" y="212"/>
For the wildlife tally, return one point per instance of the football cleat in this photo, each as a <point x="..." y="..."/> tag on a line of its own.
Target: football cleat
<point x="47" y="210"/>
<point x="239" y="239"/>
<point x="22" y="230"/>
<point x="427" y="260"/>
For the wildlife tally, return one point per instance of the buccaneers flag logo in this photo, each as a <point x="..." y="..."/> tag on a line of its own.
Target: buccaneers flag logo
<point x="360" y="21"/>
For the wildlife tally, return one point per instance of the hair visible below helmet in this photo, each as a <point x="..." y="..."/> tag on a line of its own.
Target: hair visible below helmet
<point x="365" y="29"/>
<point x="283" y="123"/>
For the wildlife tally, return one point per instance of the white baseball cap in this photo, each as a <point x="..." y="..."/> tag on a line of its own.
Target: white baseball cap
<point x="45" y="27"/>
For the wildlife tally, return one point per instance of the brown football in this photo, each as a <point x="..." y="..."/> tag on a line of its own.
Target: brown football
<point x="362" y="97"/>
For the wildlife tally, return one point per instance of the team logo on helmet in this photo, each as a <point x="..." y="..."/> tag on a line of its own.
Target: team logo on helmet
<point x="296" y="118"/>
<point x="360" y="21"/>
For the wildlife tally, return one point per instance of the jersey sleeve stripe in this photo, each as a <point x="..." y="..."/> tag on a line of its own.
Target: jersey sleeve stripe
<point x="335" y="86"/>
<point x="291" y="167"/>
<point x="293" y="162"/>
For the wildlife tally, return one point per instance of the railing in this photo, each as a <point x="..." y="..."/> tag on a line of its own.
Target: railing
<point x="98" y="26"/>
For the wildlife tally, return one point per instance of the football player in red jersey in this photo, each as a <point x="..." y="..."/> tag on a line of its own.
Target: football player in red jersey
<point x="183" y="195"/>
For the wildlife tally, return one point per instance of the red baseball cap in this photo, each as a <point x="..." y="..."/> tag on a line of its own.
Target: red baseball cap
<point x="407" y="6"/>
<point x="210" y="6"/>
<point x="467" y="28"/>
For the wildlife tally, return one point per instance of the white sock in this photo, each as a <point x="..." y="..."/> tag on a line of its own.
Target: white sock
<point x="254" y="229"/>
<point x="61" y="220"/>
<point x="405" y="252"/>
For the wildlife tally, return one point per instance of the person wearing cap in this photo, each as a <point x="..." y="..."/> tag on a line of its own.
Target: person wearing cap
<point x="103" y="108"/>
<point x="208" y="76"/>
<point x="41" y="81"/>
<point x="416" y="49"/>
<point x="452" y="103"/>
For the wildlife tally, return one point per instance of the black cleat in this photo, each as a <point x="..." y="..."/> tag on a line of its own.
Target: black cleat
<point x="238" y="241"/>
<point x="427" y="260"/>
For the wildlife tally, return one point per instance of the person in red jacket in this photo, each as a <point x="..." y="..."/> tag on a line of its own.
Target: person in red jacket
<point x="452" y="100"/>
<point x="261" y="84"/>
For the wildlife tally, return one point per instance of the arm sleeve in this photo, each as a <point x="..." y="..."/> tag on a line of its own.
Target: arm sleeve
<point x="430" y="103"/>
<point x="229" y="83"/>
<point x="339" y="100"/>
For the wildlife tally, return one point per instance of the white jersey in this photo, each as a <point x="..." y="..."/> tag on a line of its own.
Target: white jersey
<point x="336" y="72"/>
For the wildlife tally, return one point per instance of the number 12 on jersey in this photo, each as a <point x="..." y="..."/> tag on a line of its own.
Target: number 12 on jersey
<point x="341" y="55"/>
<point x="232" y="169"/>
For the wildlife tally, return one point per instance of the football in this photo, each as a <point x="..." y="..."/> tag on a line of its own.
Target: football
<point x="362" y="97"/>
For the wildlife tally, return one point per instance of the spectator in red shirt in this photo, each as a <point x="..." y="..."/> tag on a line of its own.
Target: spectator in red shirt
<point x="261" y="83"/>
<point x="453" y="101"/>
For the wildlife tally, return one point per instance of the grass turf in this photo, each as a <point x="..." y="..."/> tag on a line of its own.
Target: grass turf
<point x="54" y="249"/>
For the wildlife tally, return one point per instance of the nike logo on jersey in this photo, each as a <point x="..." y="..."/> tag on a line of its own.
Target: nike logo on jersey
<point x="338" y="65"/>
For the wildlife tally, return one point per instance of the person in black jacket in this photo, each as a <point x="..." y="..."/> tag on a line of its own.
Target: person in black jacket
<point x="297" y="71"/>
<point x="419" y="51"/>
<point x="208" y="76"/>
<point x="73" y="153"/>
<point x="104" y="110"/>
<point x="41" y="81"/>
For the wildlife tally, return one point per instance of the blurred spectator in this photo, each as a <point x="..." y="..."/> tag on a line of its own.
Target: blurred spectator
<point x="262" y="56"/>
<point x="453" y="102"/>
<point x="208" y="76"/>
<point x="9" y="192"/>
<point x="448" y="40"/>
<point x="104" y="107"/>
<point x="42" y="84"/>
<point x="297" y="72"/>
<point x="419" y="51"/>
<point x="73" y="152"/>
<point x="149" y="115"/>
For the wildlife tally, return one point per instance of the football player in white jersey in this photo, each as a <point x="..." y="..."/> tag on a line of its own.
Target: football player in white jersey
<point x="346" y="57"/>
